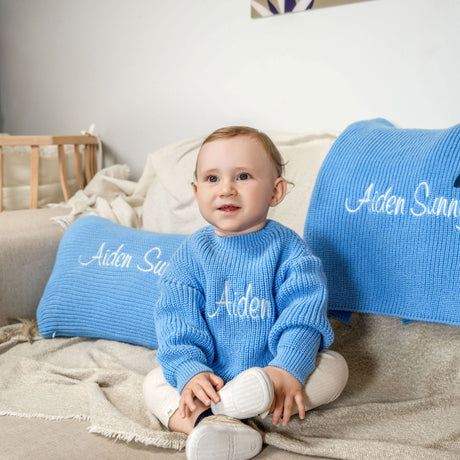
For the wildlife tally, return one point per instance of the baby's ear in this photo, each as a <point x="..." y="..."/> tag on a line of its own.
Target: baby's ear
<point x="279" y="191"/>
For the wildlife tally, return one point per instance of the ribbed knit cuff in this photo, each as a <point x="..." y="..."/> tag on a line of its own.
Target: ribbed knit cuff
<point x="298" y="356"/>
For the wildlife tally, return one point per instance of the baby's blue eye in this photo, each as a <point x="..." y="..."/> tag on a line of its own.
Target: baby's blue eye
<point x="244" y="176"/>
<point x="212" y="179"/>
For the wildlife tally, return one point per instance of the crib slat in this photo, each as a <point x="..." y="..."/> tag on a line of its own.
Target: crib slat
<point x="1" y="179"/>
<point x="77" y="166"/>
<point x="88" y="163"/>
<point x="94" y="160"/>
<point x="34" y="175"/>
<point x="62" y="174"/>
<point x="90" y="160"/>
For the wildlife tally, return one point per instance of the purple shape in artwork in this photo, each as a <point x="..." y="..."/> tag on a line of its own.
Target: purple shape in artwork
<point x="289" y="5"/>
<point x="272" y="8"/>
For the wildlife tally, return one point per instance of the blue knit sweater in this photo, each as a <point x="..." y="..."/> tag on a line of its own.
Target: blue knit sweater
<point x="230" y="303"/>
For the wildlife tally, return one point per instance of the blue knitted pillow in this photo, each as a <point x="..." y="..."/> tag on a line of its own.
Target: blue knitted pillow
<point x="384" y="218"/>
<point x="104" y="282"/>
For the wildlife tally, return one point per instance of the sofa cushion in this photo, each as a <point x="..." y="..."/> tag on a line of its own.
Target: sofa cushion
<point x="28" y="244"/>
<point x="104" y="282"/>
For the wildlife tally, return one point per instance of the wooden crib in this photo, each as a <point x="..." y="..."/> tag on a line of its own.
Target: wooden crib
<point x="85" y="149"/>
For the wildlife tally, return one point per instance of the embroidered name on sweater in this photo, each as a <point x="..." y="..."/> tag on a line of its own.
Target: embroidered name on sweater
<point x="118" y="258"/>
<point x="423" y="202"/>
<point x="238" y="305"/>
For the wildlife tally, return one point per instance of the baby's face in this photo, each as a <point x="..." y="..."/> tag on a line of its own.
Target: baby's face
<point x="236" y="185"/>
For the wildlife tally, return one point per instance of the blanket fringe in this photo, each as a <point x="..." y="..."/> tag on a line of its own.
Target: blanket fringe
<point x="81" y="418"/>
<point x="167" y="441"/>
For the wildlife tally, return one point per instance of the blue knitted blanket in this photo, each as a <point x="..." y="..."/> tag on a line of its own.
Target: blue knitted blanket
<point x="385" y="219"/>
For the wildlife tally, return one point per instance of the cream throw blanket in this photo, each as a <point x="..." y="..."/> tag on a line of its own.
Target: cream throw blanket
<point x="111" y="195"/>
<point x="402" y="400"/>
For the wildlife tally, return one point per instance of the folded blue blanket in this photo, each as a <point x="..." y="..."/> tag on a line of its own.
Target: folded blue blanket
<point x="385" y="219"/>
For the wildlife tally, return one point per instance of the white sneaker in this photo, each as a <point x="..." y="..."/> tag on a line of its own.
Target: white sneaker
<point x="247" y="395"/>
<point x="222" y="438"/>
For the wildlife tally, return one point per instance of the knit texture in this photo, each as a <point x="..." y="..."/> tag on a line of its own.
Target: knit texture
<point x="231" y="303"/>
<point x="385" y="220"/>
<point x="105" y="282"/>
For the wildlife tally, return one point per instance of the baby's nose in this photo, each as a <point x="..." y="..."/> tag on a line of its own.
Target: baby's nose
<point x="227" y="188"/>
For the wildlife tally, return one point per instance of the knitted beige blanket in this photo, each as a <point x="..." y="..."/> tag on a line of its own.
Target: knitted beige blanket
<point x="402" y="400"/>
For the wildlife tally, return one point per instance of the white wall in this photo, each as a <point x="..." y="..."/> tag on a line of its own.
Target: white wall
<point x="150" y="72"/>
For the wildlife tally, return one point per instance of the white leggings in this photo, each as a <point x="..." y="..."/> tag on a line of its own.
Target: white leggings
<point x="323" y="386"/>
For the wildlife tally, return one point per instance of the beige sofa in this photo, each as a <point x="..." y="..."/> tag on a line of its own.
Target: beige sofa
<point x="401" y="402"/>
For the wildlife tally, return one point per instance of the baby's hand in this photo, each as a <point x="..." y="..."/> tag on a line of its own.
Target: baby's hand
<point x="203" y="386"/>
<point x="287" y="391"/>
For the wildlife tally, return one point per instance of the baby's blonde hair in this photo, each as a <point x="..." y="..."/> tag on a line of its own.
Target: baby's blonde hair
<point x="267" y="143"/>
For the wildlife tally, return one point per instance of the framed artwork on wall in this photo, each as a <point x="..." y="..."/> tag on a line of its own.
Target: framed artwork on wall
<point x="263" y="8"/>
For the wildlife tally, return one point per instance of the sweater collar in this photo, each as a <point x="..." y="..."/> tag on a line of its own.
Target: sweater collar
<point x="246" y="240"/>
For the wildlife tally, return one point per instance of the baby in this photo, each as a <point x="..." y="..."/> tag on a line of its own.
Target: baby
<point x="241" y="319"/>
